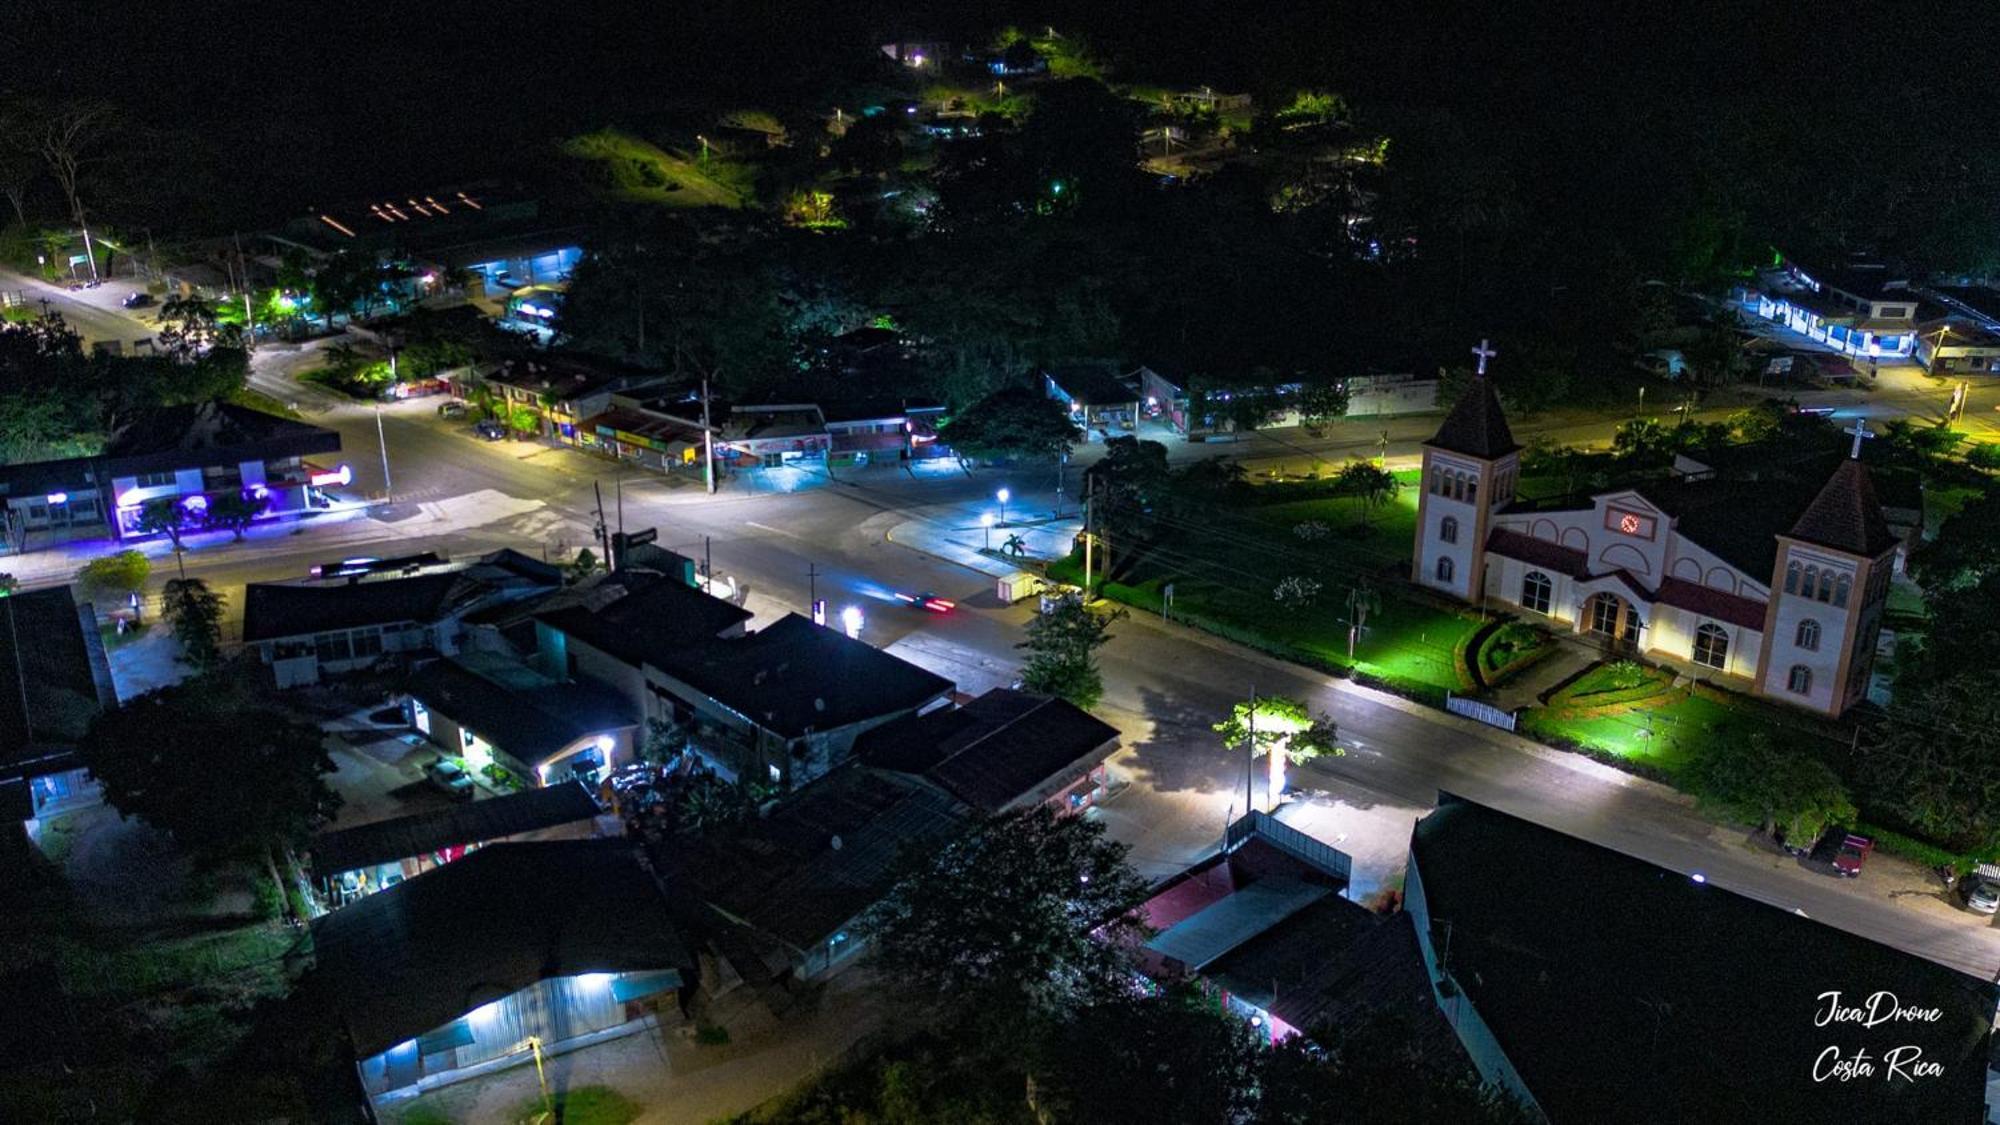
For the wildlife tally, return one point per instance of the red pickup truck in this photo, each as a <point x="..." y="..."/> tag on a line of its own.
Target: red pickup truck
<point x="1844" y="850"/>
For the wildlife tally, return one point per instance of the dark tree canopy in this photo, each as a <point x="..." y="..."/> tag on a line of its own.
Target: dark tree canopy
<point x="1016" y="422"/>
<point x="226" y="776"/>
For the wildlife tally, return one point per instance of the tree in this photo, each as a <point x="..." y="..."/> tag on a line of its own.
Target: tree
<point x="1934" y="763"/>
<point x="161" y="756"/>
<point x="195" y="613"/>
<point x="1282" y="728"/>
<point x="1755" y="781"/>
<point x="1023" y="916"/>
<point x="1369" y="483"/>
<point x="66" y="135"/>
<point x="1967" y="547"/>
<point x="1176" y="1056"/>
<point x="1015" y="422"/>
<point x="1321" y="404"/>
<point x="163" y="515"/>
<point x="114" y="575"/>
<point x="1130" y="481"/>
<point x="1062" y="644"/>
<point x="189" y="329"/>
<point x="583" y="566"/>
<point x="234" y="510"/>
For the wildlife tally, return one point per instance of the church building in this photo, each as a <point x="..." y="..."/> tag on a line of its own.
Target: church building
<point x="1775" y="587"/>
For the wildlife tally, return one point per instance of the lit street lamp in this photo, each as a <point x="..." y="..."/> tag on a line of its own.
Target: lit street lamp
<point x="850" y="620"/>
<point x="1003" y="496"/>
<point x="986" y="525"/>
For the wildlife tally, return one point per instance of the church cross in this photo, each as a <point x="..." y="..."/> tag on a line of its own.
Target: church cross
<point x="1860" y="431"/>
<point x="1485" y="352"/>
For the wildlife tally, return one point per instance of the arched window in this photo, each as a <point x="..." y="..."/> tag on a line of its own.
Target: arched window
<point x="1472" y="490"/>
<point x="1711" y="646"/>
<point x="1840" y="589"/>
<point x="1808" y="635"/>
<point x="1792" y="578"/>
<point x="1444" y="570"/>
<point x="1810" y="588"/>
<point x="1448" y="530"/>
<point x="1458" y="486"/>
<point x="1437" y="482"/>
<point x="1800" y="680"/>
<point x="1535" y="591"/>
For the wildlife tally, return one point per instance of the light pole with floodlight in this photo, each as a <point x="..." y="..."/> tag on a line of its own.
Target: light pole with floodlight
<point x="986" y="525"/>
<point x="1003" y="496"/>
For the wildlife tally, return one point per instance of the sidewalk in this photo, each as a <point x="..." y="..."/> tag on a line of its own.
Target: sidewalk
<point x="961" y="540"/>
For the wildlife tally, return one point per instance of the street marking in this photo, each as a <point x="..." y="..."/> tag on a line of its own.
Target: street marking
<point x="772" y="530"/>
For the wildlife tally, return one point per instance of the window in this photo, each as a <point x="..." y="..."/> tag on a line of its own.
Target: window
<point x="1448" y="530"/>
<point x="1535" y="591"/>
<point x="1444" y="570"/>
<point x="333" y="646"/>
<point x="1808" y="636"/>
<point x="1437" y="482"/>
<point x="1604" y="615"/>
<point x="1472" y="490"/>
<point x="1792" y="578"/>
<point x="1711" y="646"/>
<point x="367" y="642"/>
<point x="1840" y="590"/>
<point x="1800" y="680"/>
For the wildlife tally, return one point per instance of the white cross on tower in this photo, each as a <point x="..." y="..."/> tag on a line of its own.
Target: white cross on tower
<point x="1860" y="431"/>
<point x="1485" y="352"/>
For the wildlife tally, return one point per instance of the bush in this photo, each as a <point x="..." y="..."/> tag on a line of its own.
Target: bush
<point x="1623" y="675"/>
<point x="1985" y="455"/>
<point x="711" y="1034"/>
<point x="266" y="901"/>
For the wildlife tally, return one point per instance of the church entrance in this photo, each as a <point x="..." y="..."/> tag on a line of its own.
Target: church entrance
<point x="1613" y="621"/>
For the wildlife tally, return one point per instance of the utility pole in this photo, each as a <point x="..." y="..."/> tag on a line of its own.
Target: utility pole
<point x="1250" y="759"/>
<point x="812" y="585"/>
<point x="707" y="441"/>
<point x="249" y="322"/>
<point x="1089" y="540"/>
<point x="603" y="531"/>
<point x="388" y="489"/>
<point x="707" y="566"/>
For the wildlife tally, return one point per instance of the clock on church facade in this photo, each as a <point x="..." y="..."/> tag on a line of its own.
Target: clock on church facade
<point x="1629" y="523"/>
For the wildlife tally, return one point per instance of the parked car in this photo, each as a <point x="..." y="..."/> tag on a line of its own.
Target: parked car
<point x="452" y="409"/>
<point x="1981" y="896"/>
<point x="137" y="300"/>
<point x="490" y="429"/>
<point x="450" y="777"/>
<point x="1844" y="851"/>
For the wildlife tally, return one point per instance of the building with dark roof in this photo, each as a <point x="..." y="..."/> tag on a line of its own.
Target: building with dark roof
<point x="564" y="392"/>
<point x="349" y="863"/>
<point x="803" y="874"/>
<point x="1771" y="580"/>
<point x="1621" y="991"/>
<point x="304" y="629"/>
<point x="187" y="454"/>
<point x="505" y="237"/>
<point x="567" y="941"/>
<point x="494" y="711"/>
<point x="54" y="680"/>
<point x="1098" y="400"/>
<point x="1860" y="308"/>
<point x="1004" y="750"/>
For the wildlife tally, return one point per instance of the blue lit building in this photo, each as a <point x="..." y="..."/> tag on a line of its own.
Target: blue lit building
<point x="1862" y="309"/>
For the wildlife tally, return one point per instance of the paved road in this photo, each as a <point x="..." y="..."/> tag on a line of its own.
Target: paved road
<point x="94" y="313"/>
<point x="1164" y="686"/>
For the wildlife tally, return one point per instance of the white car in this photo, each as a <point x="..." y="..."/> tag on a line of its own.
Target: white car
<point x="450" y="777"/>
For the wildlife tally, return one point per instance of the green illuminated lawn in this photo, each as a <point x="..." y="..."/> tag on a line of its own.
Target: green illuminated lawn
<point x="646" y="173"/>
<point x="1224" y="565"/>
<point x="1665" y="730"/>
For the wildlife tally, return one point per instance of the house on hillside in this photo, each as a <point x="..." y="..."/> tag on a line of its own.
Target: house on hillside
<point x="352" y="863"/>
<point x="304" y="629"/>
<point x="569" y="942"/>
<point x="54" y="680"/>
<point x="494" y="711"/>
<point x="1005" y="750"/>
<point x="788" y="892"/>
<point x="1725" y="997"/>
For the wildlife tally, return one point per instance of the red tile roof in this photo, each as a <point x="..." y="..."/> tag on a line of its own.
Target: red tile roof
<point x="1538" y="552"/>
<point x="1846" y="516"/>
<point x="1711" y="602"/>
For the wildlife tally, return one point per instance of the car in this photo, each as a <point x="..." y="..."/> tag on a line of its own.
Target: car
<point x="450" y="777"/>
<point x="490" y="429"/>
<point x="1982" y="896"/>
<point x="137" y="300"/>
<point x="451" y="409"/>
<point x="927" y="601"/>
<point x="1846" y="852"/>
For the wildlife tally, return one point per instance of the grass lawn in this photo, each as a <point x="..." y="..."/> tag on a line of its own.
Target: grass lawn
<point x="646" y="173"/>
<point x="1658" y="726"/>
<point x="1224" y="565"/>
<point x="113" y="639"/>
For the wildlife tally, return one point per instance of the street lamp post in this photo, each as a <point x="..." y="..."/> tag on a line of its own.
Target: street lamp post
<point x="1003" y="496"/>
<point x="986" y="525"/>
<point x="388" y="489"/>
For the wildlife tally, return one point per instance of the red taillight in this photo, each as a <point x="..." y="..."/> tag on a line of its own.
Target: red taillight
<point x="941" y="605"/>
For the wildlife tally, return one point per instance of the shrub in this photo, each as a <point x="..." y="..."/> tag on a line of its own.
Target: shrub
<point x="711" y="1034"/>
<point x="1624" y="675"/>
<point x="1985" y="455"/>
